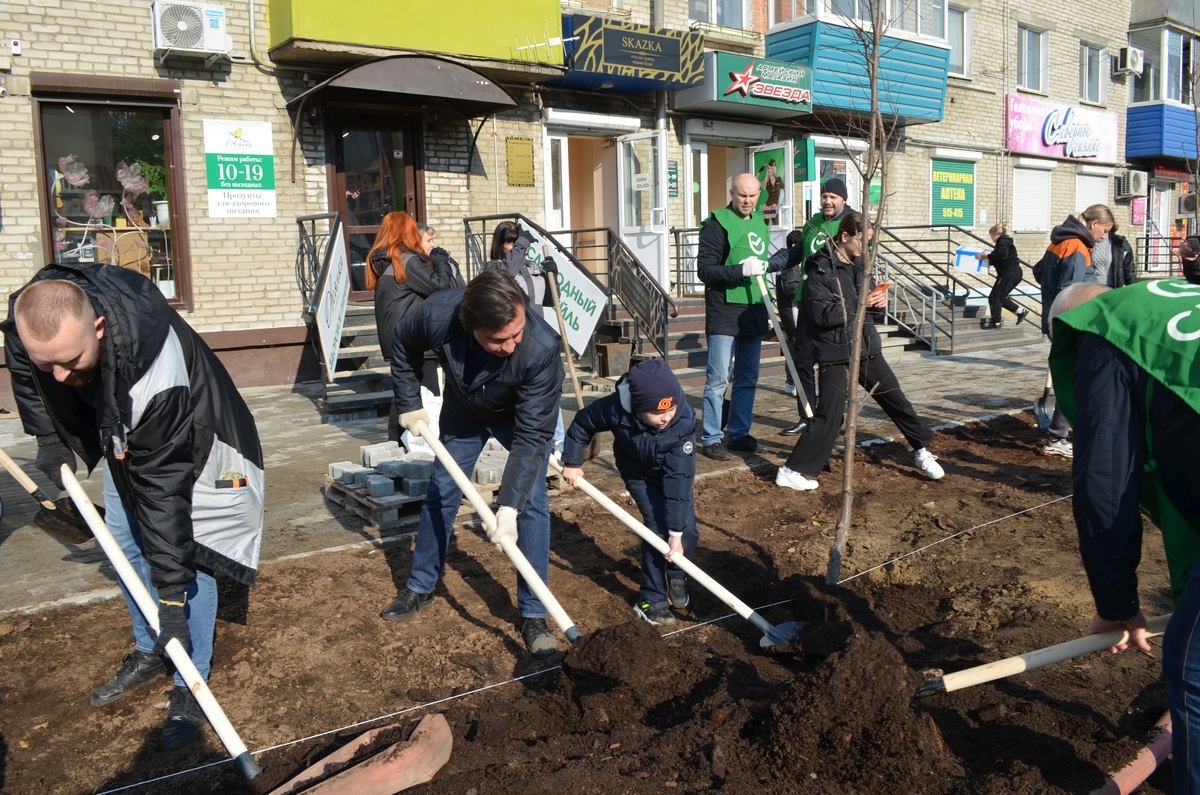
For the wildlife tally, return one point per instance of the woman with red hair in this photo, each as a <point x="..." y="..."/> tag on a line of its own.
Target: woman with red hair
<point x="402" y="276"/>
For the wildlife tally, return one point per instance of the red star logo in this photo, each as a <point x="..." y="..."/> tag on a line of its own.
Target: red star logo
<point x="742" y="80"/>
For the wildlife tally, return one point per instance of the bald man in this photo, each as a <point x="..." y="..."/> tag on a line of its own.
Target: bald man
<point x="733" y="251"/>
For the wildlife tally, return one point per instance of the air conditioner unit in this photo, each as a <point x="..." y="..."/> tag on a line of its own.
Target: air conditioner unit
<point x="1129" y="59"/>
<point x="1131" y="185"/>
<point x="1188" y="204"/>
<point x="196" y="29"/>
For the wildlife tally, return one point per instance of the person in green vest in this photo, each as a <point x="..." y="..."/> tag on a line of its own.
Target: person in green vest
<point x="818" y="230"/>
<point x="1126" y="367"/>
<point x="731" y="255"/>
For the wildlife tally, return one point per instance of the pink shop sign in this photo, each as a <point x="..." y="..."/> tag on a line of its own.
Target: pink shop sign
<point x="1038" y="127"/>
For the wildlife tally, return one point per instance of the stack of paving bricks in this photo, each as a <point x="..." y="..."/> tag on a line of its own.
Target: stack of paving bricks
<point x="388" y="485"/>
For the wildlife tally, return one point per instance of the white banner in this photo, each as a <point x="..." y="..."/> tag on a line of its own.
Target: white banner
<point x="331" y="303"/>
<point x="580" y="299"/>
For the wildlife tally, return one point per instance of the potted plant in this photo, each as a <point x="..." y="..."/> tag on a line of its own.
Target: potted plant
<point x="156" y="191"/>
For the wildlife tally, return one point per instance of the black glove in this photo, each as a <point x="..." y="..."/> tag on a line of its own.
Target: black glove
<point x="549" y="265"/>
<point x="52" y="454"/>
<point x="172" y="619"/>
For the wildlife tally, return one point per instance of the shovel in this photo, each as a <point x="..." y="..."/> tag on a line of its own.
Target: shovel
<point x="59" y="519"/>
<point x="787" y="354"/>
<point x="1029" y="661"/>
<point x="179" y="656"/>
<point x="773" y="635"/>
<point x="1044" y="406"/>
<point x="508" y="546"/>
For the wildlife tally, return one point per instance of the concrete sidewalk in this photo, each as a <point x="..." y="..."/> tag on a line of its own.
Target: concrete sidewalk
<point x="36" y="571"/>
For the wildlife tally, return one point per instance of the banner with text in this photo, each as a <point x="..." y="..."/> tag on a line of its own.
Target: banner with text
<point x="1040" y="127"/>
<point x="581" y="301"/>
<point x="953" y="193"/>
<point x="240" y="165"/>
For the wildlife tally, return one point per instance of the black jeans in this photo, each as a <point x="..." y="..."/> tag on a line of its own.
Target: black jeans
<point x="1006" y="282"/>
<point x="812" y="451"/>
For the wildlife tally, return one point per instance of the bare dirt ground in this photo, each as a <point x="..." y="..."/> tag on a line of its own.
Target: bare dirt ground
<point x="632" y="711"/>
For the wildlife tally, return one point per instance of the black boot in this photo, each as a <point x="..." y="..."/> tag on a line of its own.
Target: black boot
<point x="138" y="668"/>
<point x="184" y="722"/>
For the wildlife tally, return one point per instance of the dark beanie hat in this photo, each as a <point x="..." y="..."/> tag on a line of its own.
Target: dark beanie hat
<point x="653" y="386"/>
<point x="835" y="185"/>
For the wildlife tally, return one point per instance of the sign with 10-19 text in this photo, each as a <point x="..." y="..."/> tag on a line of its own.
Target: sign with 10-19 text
<point x="240" y="165"/>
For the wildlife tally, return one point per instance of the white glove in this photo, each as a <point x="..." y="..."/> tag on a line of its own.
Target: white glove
<point x="506" y="526"/>
<point x="409" y="420"/>
<point x="752" y="267"/>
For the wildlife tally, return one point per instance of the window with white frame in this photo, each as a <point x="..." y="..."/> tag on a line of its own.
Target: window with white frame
<point x="1091" y="189"/>
<point x="1169" y="67"/>
<point x="787" y="10"/>
<point x="1146" y="86"/>
<point x="920" y="17"/>
<point x="1032" y="61"/>
<point x="1031" y="200"/>
<point x="1180" y="69"/>
<point x="1093" y="73"/>
<point x="723" y="12"/>
<point x="958" y="34"/>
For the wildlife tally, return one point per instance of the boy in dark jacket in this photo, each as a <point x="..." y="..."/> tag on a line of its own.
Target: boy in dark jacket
<point x="654" y="432"/>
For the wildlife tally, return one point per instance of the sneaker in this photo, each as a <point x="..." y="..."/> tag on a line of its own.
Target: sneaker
<point x="796" y="429"/>
<point x="716" y="451"/>
<point x="1059" y="447"/>
<point x="538" y="637"/>
<point x="677" y="592"/>
<point x="184" y="722"/>
<point x="927" y="461"/>
<point x="405" y="605"/>
<point x="789" y="389"/>
<point x="1022" y="313"/>
<point x="790" y="478"/>
<point x="656" y="614"/>
<point x="137" y="669"/>
<point x="747" y="444"/>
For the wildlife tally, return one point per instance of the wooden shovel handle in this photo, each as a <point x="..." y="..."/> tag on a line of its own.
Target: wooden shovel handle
<point x="26" y="481"/>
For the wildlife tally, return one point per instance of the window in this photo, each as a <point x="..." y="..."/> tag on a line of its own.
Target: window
<point x="787" y="10"/>
<point x="1181" y="49"/>
<point x="1032" y="63"/>
<point x="722" y="12"/>
<point x="107" y="170"/>
<point x="1091" y="189"/>
<point x="1093" y="75"/>
<point x="1146" y="88"/>
<point x="958" y="34"/>
<point x="923" y="17"/>
<point x="1031" y="199"/>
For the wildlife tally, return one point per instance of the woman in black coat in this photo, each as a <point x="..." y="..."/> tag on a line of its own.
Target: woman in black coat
<point x="1004" y="261"/>
<point x="1123" y="271"/>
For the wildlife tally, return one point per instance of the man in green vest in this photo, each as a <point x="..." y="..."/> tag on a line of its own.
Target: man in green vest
<point x="731" y="254"/>
<point x="1126" y="367"/>
<point x="817" y="230"/>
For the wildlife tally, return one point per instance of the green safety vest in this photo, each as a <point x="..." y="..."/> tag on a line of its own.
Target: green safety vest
<point x="1157" y="325"/>
<point x="817" y="231"/>
<point x="748" y="237"/>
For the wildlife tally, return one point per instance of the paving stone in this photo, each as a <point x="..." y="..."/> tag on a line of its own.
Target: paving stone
<point x="374" y="454"/>
<point x="349" y="473"/>
<point x="415" y="488"/>
<point x="335" y="471"/>
<point x="393" y="468"/>
<point x="380" y="486"/>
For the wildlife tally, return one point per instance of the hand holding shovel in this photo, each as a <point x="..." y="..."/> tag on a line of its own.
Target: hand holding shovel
<point x="179" y="656"/>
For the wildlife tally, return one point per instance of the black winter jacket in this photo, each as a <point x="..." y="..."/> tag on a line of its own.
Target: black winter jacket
<point x="1003" y="257"/>
<point x="831" y="292"/>
<point x="168" y="421"/>
<point x="520" y="392"/>
<point x="731" y="319"/>
<point x="422" y="278"/>
<point x="1123" y="271"/>
<point x="666" y="456"/>
<point x="533" y="281"/>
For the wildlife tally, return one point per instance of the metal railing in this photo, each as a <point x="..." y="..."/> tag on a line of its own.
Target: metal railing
<point x="310" y="255"/>
<point x="1156" y="257"/>
<point x="920" y="310"/>
<point x="600" y="253"/>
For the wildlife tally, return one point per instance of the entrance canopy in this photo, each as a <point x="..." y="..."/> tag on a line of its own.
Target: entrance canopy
<point x="415" y="80"/>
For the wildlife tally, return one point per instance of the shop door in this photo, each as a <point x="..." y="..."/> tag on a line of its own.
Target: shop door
<point x="1160" y="226"/>
<point x="696" y="180"/>
<point x="642" y="197"/>
<point x="374" y="175"/>
<point x="558" y="183"/>
<point x="772" y="164"/>
<point x="828" y="166"/>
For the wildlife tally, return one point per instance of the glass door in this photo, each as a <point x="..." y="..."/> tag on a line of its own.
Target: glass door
<point x="771" y="163"/>
<point x="642" y="193"/>
<point x="374" y="175"/>
<point x="558" y="185"/>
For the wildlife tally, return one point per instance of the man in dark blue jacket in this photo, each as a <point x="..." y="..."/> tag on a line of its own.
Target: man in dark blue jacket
<point x="503" y="380"/>
<point x="654" y="432"/>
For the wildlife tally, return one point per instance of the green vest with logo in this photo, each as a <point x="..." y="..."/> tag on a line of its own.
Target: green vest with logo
<point x="816" y="232"/>
<point x="1157" y="325"/>
<point x="748" y="237"/>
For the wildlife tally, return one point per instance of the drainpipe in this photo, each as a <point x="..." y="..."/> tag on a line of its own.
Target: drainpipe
<point x="660" y="110"/>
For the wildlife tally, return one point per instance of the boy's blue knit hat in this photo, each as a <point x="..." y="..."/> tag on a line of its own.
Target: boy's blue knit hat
<point x="653" y="386"/>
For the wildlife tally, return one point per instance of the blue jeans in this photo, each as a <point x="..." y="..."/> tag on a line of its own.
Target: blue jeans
<point x="744" y="352"/>
<point x="1181" y="670"/>
<point x="652" y="502"/>
<point x="441" y="505"/>
<point x="201" y="592"/>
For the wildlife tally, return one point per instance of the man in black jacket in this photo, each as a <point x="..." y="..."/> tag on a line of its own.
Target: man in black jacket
<point x="503" y="380"/>
<point x="104" y="369"/>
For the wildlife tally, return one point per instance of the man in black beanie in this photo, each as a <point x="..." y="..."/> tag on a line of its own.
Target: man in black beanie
<point x="654" y="444"/>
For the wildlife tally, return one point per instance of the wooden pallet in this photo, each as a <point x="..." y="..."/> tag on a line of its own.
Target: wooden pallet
<point x="401" y="510"/>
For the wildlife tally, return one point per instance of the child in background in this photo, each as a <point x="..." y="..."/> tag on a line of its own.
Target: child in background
<point x="654" y="431"/>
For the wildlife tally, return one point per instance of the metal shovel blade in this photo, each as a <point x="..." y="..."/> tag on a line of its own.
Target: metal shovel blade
<point x="1043" y="409"/>
<point x="65" y="523"/>
<point x="780" y="634"/>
